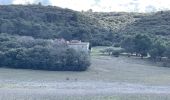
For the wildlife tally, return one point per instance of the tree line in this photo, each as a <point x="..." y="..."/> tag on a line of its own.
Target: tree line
<point x="143" y="45"/>
<point x="45" y="54"/>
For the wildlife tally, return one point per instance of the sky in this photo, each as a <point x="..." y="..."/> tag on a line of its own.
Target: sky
<point x="101" y="5"/>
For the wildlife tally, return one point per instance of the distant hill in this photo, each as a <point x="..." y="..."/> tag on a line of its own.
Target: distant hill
<point x="96" y="27"/>
<point x="153" y="24"/>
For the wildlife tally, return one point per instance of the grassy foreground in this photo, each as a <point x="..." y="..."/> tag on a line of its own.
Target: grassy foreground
<point x="103" y="69"/>
<point x="113" y="97"/>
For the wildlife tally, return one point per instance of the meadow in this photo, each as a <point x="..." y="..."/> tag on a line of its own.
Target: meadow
<point x="108" y="78"/>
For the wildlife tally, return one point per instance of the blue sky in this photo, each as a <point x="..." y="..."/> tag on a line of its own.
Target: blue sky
<point x="102" y="5"/>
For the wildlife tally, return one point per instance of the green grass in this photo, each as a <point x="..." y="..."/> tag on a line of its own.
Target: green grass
<point x="124" y="97"/>
<point x="113" y="97"/>
<point x="96" y="50"/>
<point x="103" y="69"/>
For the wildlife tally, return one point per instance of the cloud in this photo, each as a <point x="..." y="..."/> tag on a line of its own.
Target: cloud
<point x="45" y="2"/>
<point x="22" y="1"/>
<point x="113" y="5"/>
<point x="74" y="4"/>
<point x="133" y="5"/>
<point x="104" y="5"/>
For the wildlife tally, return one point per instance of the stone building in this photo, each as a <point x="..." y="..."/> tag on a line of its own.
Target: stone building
<point x="78" y="45"/>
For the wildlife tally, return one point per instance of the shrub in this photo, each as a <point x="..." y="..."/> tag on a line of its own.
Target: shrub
<point x="116" y="45"/>
<point x="139" y="44"/>
<point x="157" y="50"/>
<point x="167" y="53"/>
<point x="106" y="43"/>
<point x="44" y="55"/>
<point x="116" y="53"/>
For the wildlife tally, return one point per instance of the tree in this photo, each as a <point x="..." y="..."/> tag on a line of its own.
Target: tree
<point x="128" y="44"/>
<point x="157" y="50"/>
<point x="27" y="52"/>
<point x="142" y="45"/>
<point x="167" y="53"/>
<point x="139" y="44"/>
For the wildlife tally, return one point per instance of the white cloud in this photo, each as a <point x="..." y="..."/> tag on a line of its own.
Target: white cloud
<point x="115" y="5"/>
<point x="74" y="4"/>
<point x="107" y="5"/>
<point x="23" y="1"/>
<point x="133" y="5"/>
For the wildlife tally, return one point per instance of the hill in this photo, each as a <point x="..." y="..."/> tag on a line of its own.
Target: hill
<point x="99" y="28"/>
<point x="155" y="25"/>
<point x="50" y="22"/>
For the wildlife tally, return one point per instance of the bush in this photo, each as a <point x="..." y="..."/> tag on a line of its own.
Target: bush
<point x="116" y="45"/>
<point x="44" y="55"/>
<point x="116" y="53"/>
<point x="139" y="44"/>
<point x="106" y="43"/>
<point x="167" y="52"/>
<point x="157" y="50"/>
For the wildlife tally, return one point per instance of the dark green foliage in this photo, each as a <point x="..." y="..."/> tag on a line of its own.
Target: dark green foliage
<point x="102" y="29"/>
<point x="116" y="53"/>
<point x="168" y="51"/>
<point x="27" y="52"/>
<point x="157" y="50"/>
<point x="50" y="22"/>
<point x="139" y="44"/>
<point x="142" y="44"/>
<point x="157" y="24"/>
<point x="116" y="45"/>
<point x="122" y="24"/>
<point x="128" y="44"/>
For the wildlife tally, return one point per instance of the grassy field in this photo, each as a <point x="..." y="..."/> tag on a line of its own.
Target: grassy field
<point x="103" y="71"/>
<point x="113" y="97"/>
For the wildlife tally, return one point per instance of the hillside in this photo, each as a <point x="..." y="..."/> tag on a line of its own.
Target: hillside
<point x="49" y="22"/>
<point x="155" y="24"/>
<point x="99" y="28"/>
<point x="122" y="23"/>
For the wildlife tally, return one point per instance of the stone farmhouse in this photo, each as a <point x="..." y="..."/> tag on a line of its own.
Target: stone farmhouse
<point x="78" y="45"/>
<point x="75" y="44"/>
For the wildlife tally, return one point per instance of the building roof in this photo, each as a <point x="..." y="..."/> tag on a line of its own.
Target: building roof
<point x="81" y="43"/>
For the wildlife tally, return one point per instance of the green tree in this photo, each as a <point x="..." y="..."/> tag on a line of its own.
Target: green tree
<point x="157" y="50"/>
<point x="167" y="54"/>
<point x="128" y="44"/>
<point x="142" y="44"/>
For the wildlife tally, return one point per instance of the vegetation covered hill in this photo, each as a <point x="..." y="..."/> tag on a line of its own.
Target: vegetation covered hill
<point x="123" y="24"/>
<point x="99" y="28"/>
<point x="50" y="22"/>
<point x="154" y="24"/>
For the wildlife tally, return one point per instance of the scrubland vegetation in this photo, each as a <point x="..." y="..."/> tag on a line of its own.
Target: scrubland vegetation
<point x="141" y="46"/>
<point x="27" y="52"/>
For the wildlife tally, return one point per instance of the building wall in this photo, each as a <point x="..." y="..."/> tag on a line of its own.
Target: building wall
<point x="80" y="46"/>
